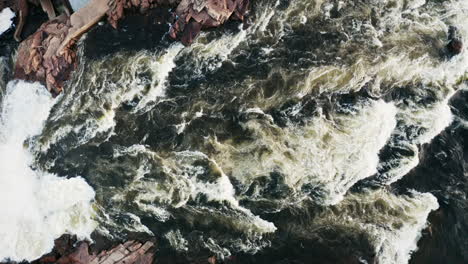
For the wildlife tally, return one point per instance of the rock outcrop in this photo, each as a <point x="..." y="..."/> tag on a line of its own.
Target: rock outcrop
<point x="49" y="55"/>
<point x="130" y="252"/>
<point x="118" y="8"/>
<point x="21" y="7"/>
<point x="195" y="15"/>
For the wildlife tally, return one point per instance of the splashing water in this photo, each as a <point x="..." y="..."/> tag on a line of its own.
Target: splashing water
<point x="37" y="207"/>
<point x="208" y="147"/>
<point x="6" y="19"/>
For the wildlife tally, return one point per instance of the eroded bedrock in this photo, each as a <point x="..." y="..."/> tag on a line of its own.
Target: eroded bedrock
<point x="38" y="57"/>
<point x="49" y="55"/>
<point x="195" y="15"/>
<point x="68" y="251"/>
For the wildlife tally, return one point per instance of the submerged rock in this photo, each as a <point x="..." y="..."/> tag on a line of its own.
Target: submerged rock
<point x="455" y="44"/>
<point x="38" y="57"/>
<point x="192" y="15"/>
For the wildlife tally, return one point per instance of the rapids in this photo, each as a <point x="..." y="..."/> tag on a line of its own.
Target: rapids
<point x="37" y="207"/>
<point x="6" y="17"/>
<point x="288" y="138"/>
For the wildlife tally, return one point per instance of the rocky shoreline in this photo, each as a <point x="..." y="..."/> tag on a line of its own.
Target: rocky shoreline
<point x="49" y="56"/>
<point x="81" y="253"/>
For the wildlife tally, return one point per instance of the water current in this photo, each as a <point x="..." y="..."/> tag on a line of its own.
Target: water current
<point x="320" y="130"/>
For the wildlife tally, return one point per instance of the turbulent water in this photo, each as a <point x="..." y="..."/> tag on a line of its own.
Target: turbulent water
<point x="301" y="134"/>
<point x="6" y="16"/>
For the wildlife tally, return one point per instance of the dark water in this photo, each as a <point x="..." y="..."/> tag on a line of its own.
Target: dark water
<point x="318" y="132"/>
<point x="443" y="172"/>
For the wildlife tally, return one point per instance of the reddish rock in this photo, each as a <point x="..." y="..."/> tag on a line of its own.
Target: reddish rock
<point x="63" y="244"/>
<point x="118" y="8"/>
<point x="195" y="15"/>
<point x="145" y="259"/>
<point x="21" y="8"/>
<point x="81" y="255"/>
<point x="48" y="259"/>
<point x="191" y="31"/>
<point x="130" y="252"/>
<point x="38" y="59"/>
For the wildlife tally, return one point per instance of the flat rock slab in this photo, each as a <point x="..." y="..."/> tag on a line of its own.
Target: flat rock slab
<point x="130" y="252"/>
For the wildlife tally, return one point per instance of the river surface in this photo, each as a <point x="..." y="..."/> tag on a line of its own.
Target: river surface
<point x="315" y="132"/>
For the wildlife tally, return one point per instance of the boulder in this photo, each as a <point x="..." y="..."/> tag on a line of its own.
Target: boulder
<point x="130" y="252"/>
<point x="455" y="43"/>
<point x="195" y="15"/>
<point x="38" y="59"/>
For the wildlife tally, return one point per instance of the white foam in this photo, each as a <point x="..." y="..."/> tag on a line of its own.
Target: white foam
<point x="223" y="190"/>
<point x="6" y="19"/>
<point x="329" y="153"/>
<point x="397" y="243"/>
<point x="181" y="183"/>
<point x="36" y="207"/>
<point x="122" y="83"/>
<point x="211" y="55"/>
<point x="177" y="241"/>
<point x="393" y="223"/>
<point x="162" y="67"/>
<point x="421" y="125"/>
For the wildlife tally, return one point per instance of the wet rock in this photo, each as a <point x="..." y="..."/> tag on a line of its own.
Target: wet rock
<point x="49" y="55"/>
<point x="195" y="15"/>
<point x="130" y="252"/>
<point x="212" y="260"/>
<point x="455" y="43"/>
<point x="63" y="244"/>
<point x="82" y="21"/>
<point x="38" y="58"/>
<point x="79" y="256"/>
<point x="21" y="7"/>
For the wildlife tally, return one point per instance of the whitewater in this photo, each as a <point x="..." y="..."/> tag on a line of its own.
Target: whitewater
<point x="312" y="131"/>
<point x="37" y="207"/>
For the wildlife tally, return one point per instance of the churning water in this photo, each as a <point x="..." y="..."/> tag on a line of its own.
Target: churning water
<point x="288" y="138"/>
<point x="6" y="16"/>
<point x="37" y="207"/>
